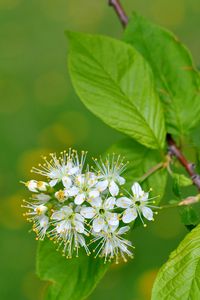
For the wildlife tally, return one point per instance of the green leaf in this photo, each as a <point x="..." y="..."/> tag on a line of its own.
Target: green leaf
<point x="72" y="279"/>
<point x="189" y="215"/>
<point x="178" y="82"/>
<point x="182" y="179"/>
<point x="179" y="277"/>
<point x="114" y="81"/>
<point x="141" y="160"/>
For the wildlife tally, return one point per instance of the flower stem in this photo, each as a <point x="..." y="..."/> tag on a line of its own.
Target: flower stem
<point x="152" y="171"/>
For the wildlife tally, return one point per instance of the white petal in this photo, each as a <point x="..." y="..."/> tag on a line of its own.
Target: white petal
<point x="73" y="170"/>
<point x="96" y="202"/>
<point x="66" y="210"/>
<point x="144" y="197"/>
<point x="88" y="212"/>
<point x="102" y="185"/>
<point x="78" y="217"/>
<point x="94" y="194"/>
<point x="124" y="229"/>
<point x="80" y="179"/>
<point x="112" y="228"/>
<point x="71" y="192"/>
<point x="63" y="226"/>
<point x="137" y="190"/>
<point x="67" y="182"/>
<point x="98" y="224"/>
<point x="121" y="180"/>
<point x="42" y="197"/>
<point x="123" y="202"/>
<point x="32" y="185"/>
<point x="40" y="209"/>
<point x="79" y="226"/>
<point x="109" y="203"/>
<point x="113" y="188"/>
<point x="129" y="215"/>
<point x="80" y="198"/>
<point x="112" y="219"/>
<point x="147" y="213"/>
<point x="44" y="221"/>
<point x="53" y="182"/>
<point x="42" y="186"/>
<point x="57" y="215"/>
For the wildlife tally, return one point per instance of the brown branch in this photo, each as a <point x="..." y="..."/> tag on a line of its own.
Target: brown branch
<point x="119" y="11"/>
<point x="189" y="167"/>
<point x="173" y="149"/>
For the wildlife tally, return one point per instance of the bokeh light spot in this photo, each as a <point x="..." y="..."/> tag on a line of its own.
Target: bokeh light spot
<point x="73" y="12"/>
<point x="11" y="212"/>
<point x="56" y="137"/>
<point x="32" y="287"/>
<point x="29" y="159"/>
<point x="9" y="4"/>
<point x="145" y="283"/>
<point x="168" y="13"/>
<point x="51" y="88"/>
<point x="77" y="123"/>
<point x="12" y="96"/>
<point x="13" y="41"/>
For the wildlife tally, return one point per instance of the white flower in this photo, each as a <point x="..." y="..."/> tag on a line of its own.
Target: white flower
<point x="61" y="195"/>
<point x="36" y="186"/>
<point x="36" y="214"/>
<point x="40" y="226"/>
<point x="138" y="204"/>
<point x="84" y="188"/>
<point x="31" y="185"/>
<point x="59" y="168"/>
<point x="109" y="174"/>
<point x="42" y="197"/>
<point x="69" y="230"/>
<point x="112" y="245"/>
<point x="101" y="213"/>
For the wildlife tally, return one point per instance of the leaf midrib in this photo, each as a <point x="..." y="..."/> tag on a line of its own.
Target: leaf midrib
<point x="122" y="92"/>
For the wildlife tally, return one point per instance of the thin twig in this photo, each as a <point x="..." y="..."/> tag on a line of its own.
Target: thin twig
<point x="119" y="11"/>
<point x="152" y="170"/>
<point x="189" y="167"/>
<point x="173" y="149"/>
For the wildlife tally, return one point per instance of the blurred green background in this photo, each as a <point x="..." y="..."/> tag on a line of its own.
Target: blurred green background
<point x="39" y="113"/>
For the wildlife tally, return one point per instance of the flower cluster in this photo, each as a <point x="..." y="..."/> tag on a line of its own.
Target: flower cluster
<point x="77" y="206"/>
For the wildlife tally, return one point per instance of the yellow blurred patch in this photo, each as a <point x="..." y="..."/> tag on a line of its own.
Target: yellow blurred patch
<point x="75" y="12"/>
<point x="51" y="88"/>
<point x="12" y="96"/>
<point x="28" y="160"/>
<point x="145" y="283"/>
<point x="32" y="287"/>
<point x="77" y="123"/>
<point x="9" y="4"/>
<point x="11" y="212"/>
<point x="168" y="13"/>
<point x="56" y="137"/>
<point x="13" y="41"/>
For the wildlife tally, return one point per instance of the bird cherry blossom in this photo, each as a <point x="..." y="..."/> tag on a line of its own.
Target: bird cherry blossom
<point x="136" y="205"/>
<point x="110" y="174"/>
<point x="111" y="244"/>
<point x="69" y="230"/>
<point x="78" y="206"/>
<point x="101" y="213"/>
